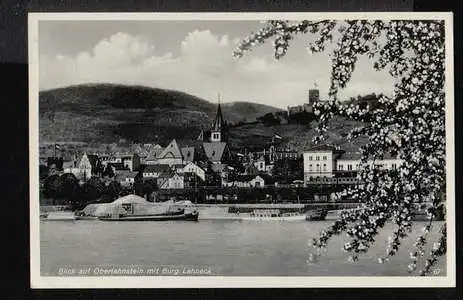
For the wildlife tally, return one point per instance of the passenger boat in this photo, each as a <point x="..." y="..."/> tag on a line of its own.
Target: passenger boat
<point x="277" y="215"/>
<point x="272" y="215"/>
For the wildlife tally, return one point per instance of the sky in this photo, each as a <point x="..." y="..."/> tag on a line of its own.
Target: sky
<point x="193" y="57"/>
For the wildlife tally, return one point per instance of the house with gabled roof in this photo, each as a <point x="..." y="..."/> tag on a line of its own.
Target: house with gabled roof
<point x="85" y="167"/>
<point x="192" y="150"/>
<point x="248" y="181"/>
<point x="250" y="169"/>
<point x="188" y="154"/>
<point x="153" y="155"/>
<point x="171" y="155"/>
<point x="174" y="181"/>
<point x="126" y="177"/>
<point x="217" y="152"/>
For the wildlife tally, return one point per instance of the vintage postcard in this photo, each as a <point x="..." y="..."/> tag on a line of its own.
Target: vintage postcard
<point x="241" y="150"/>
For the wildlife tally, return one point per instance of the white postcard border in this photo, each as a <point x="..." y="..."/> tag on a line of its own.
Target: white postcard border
<point x="43" y="282"/>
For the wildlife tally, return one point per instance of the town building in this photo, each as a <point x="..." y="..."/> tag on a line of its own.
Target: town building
<point x="217" y="152"/>
<point x="247" y="181"/>
<point x="179" y="169"/>
<point x="147" y="152"/>
<point x="152" y="156"/>
<point x="126" y="178"/>
<point x="350" y="162"/>
<point x="250" y="169"/>
<point x="320" y="161"/>
<point x="285" y="152"/>
<point x="192" y="180"/>
<point x="155" y="171"/>
<point x="269" y="168"/>
<point x="85" y="167"/>
<point x="171" y="155"/>
<point x="195" y="169"/>
<point x="260" y="164"/>
<point x="123" y="160"/>
<point x="270" y="153"/>
<point x="327" y="161"/>
<point x="175" y="181"/>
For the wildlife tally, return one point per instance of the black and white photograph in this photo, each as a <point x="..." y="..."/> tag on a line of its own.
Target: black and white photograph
<point x="241" y="150"/>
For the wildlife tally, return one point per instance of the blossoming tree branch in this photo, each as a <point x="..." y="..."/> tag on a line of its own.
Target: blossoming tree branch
<point x="410" y="124"/>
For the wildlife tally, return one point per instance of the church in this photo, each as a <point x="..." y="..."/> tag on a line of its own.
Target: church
<point x="215" y="144"/>
<point x="210" y="146"/>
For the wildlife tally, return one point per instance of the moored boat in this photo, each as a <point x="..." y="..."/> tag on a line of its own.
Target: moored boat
<point x="191" y="216"/>
<point x="58" y="216"/>
<point x="122" y="210"/>
<point x="135" y="208"/>
<point x="272" y="215"/>
<point x="317" y="215"/>
<point x="90" y="218"/>
<point x="277" y="215"/>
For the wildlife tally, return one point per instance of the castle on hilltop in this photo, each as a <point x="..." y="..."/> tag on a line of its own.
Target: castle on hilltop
<point x="314" y="96"/>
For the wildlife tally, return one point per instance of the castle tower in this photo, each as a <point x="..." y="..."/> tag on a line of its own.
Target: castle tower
<point x="217" y="126"/>
<point x="314" y="94"/>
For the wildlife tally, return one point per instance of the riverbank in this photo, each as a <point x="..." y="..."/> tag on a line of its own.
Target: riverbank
<point x="231" y="211"/>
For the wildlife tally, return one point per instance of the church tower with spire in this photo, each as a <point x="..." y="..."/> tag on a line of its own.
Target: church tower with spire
<point x="218" y="125"/>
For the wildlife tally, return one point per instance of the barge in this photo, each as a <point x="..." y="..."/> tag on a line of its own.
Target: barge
<point x="180" y="216"/>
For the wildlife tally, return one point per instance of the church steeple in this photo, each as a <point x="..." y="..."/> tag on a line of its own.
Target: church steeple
<point x="216" y="130"/>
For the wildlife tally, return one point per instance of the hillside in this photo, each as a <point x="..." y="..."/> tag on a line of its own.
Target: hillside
<point x="108" y="113"/>
<point x="299" y="136"/>
<point x="296" y="136"/>
<point x="104" y="113"/>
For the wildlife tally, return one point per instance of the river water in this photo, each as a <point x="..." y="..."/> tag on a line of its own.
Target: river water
<point x="208" y="248"/>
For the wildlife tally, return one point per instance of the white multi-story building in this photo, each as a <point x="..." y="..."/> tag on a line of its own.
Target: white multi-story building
<point x="346" y="164"/>
<point x="320" y="162"/>
<point x="328" y="161"/>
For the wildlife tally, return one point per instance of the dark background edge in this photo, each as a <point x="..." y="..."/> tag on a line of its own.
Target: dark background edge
<point x="15" y="176"/>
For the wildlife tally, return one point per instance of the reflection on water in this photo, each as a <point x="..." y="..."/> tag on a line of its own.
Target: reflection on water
<point x="210" y="247"/>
